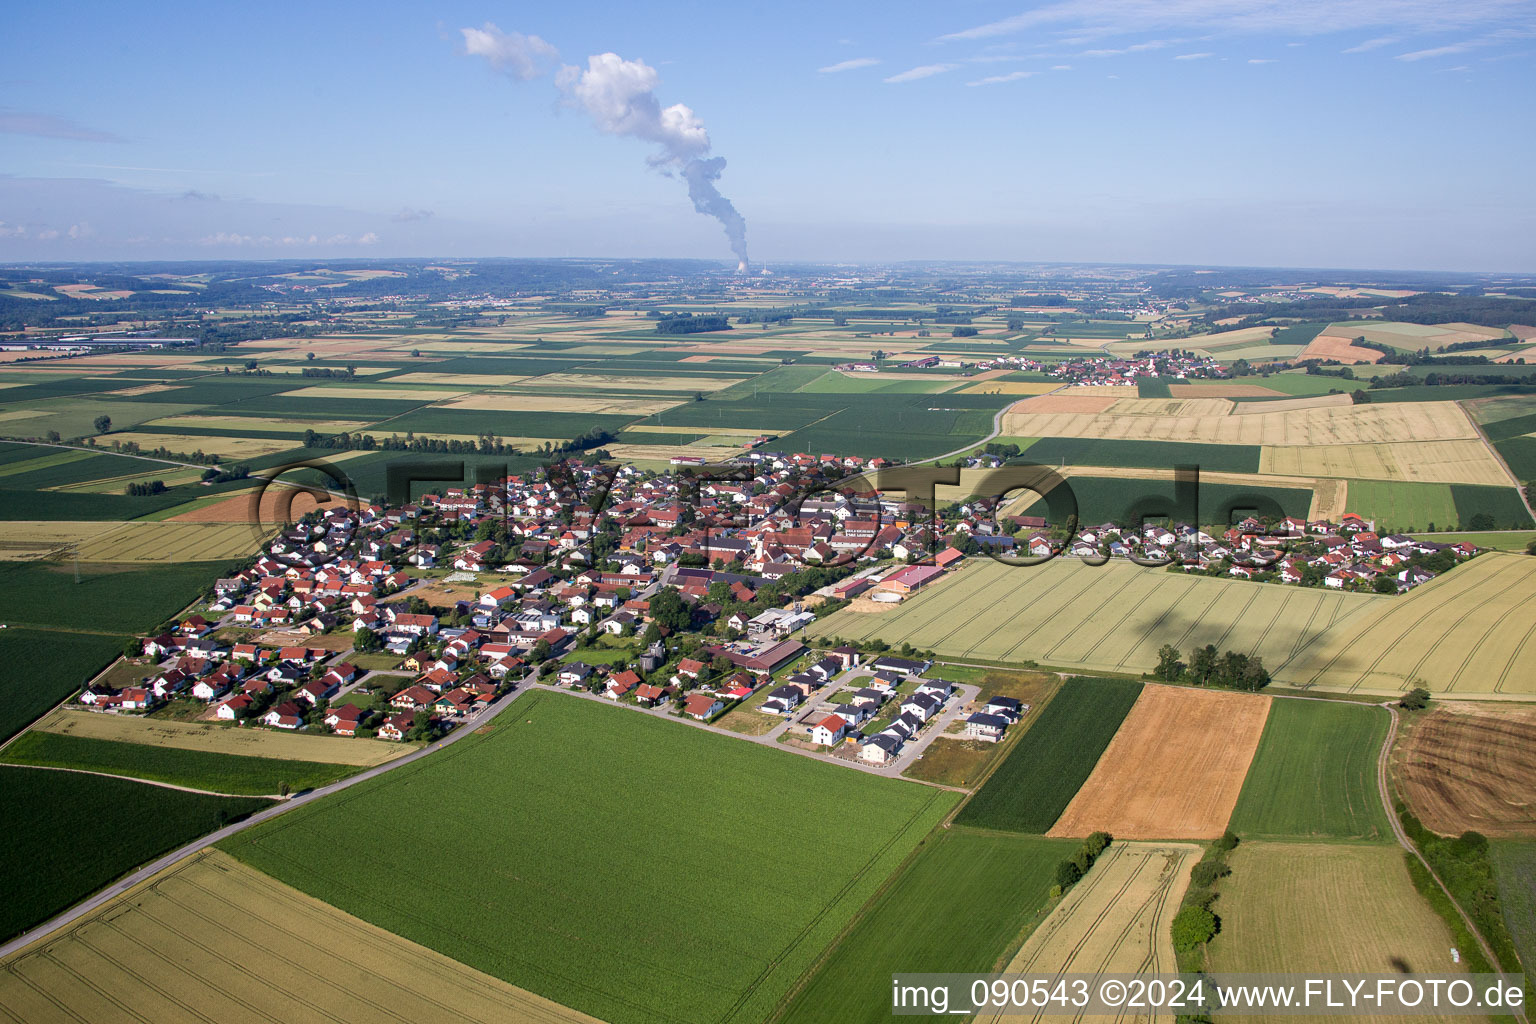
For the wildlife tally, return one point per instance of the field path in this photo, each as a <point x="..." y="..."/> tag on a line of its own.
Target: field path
<point x="147" y="782"/>
<point x="1383" y="762"/>
<point x="1116" y="920"/>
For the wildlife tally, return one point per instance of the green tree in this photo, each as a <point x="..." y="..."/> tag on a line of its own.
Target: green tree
<point x="1416" y="699"/>
<point x="1168" y="664"/>
<point x="367" y="640"/>
<point x="1202" y="663"/>
<point x="1193" y="927"/>
<point x="669" y="611"/>
<point x="102" y="424"/>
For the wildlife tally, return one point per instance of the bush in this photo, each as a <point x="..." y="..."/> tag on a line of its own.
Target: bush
<point x="1193" y="927"/>
<point x="1206" y="872"/>
<point x="1416" y="699"/>
<point x="1067" y="874"/>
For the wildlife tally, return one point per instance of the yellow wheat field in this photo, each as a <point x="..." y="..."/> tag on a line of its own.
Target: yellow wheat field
<point x="1471" y="632"/>
<point x="258" y="423"/>
<point x="1450" y="462"/>
<point x="468" y="380"/>
<point x="498" y="401"/>
<point x="1210" y="421"/>
<point x="1010" y="387"/>
<point x="617" y="382"/>
<point x="210" y="939"/>
<point x="235" y="447"/>
<point x="379" y="393"/>
<point x="1117" y="920"/>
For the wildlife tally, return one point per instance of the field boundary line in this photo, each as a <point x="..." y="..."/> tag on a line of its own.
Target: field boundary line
<point x="1384" y="787"/>
<point x="147" y="782"/>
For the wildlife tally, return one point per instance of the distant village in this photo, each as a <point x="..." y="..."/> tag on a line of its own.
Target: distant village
<point x="1081" y="370"/>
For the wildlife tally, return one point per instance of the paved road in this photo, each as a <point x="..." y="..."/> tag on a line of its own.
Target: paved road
<point x="122" y="885"/>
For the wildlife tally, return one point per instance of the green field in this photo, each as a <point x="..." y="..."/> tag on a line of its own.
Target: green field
<point x="68" y="835"/>
<point x="958" y="905"/>
<point x="1502" y="504"/>
<point x="1514" y="866"/>
<point x="1112" y="499"/>
<point x="196" y="769"/>
<point x="43" y="668"/>
<point x="1402" y="506"/>
<point x="1314" y="774"/>
<point x="108" y="599"/>
<point x="631" y="868"/>
<point x="1045" y="769"/>
<point x="1512" y="540"/>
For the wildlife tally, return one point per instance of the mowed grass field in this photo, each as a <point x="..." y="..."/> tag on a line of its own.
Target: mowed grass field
<point x="195" y="769"/>
<point x="1314" y="774"/>
<point x="1046" y="767"/>
<point x="1464" y="766"/>
<point x="69" y="834"/>
<point x="1109" y="618"/>
<point x="630" y="868"/>
<point x="1326" y="909"/>
<point x="1174" y="768"/>
<point x="222" y="933"/>
<point x="219" y="738"/>
<point x="1117" y="920"/>
<point x="957" y="905"/>
<point x="1469" y="632"/>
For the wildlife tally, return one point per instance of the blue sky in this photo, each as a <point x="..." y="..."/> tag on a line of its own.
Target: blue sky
<point x="1338" y="133"/>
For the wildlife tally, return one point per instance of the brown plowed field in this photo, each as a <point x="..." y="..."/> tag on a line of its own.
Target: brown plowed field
<point x="237" y="507"/>
<point x="1174" y="768"/>
<point x="1472" y="767"/>
<point x="1326" y="346"/>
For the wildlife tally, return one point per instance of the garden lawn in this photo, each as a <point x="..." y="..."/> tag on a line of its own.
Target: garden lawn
<point x="635" y="869"/>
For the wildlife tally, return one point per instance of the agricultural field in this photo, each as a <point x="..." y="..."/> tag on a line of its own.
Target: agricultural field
<point x="676" y="945"/>
<point x="222" y="931"/>
<point x="1076" y="451"/>
<point x="117" y="542"/>
<point x="1174" y="768"/>
<point x="1217" y="421"/>
<point x="1046" y="767"/>
<point x="70" y="834"/>
<point x="218" y="738"/>
<point x="1116" y="920"/>
<point x="1112" y="617"/>
<point x="45" y="667"/>
<point x="1514" y="866"/>
<point x="1470" y="767"/>
<point x="1467" y="633"/>
<point x="1466" y="461"/>
<point x="1326" y="908"/>
<point x="194" y="769"/>
<point x="1406" y="505"/>
<point x="107" y="598"/>
<point x="944" y="911"/>
<point x="1314" y="774"/>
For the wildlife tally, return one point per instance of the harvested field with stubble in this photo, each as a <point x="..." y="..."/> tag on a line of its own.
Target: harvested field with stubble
<point x="1452" y="462"/>
<point x="1327" y="909"/>
<point x="1116" y="920"/>
<point x="1222" y="390"/>
<point x="277" y="505"/>
<point x="1174" y="769"/>
<point x="1471" y="767"/>
<point x="223" y="739"/>
<point x="1069" y="401"/>
<point x="236" y="448"/>
<point x="1328" y="346"/>
<point x="1470" y="632"/>
<point x="221" y="932"/>
<point x="1212" y="421"/>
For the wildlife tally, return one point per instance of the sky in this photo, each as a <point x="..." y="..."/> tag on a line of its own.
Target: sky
<point x="1315" y="133"/>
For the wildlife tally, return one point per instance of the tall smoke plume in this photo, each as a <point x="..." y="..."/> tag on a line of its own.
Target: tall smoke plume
<point x="620" y="97"/>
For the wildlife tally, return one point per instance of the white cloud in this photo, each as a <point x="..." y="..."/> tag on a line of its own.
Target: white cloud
<point x="522" y="57"/>
<point x="922" y="71"/>
<point x="1150" y="44"/>
<point x="848" y="65"/>
<point x="1443" y="51"/>
<point x="1193" y="56"/>
<point x="1062" y="67"/>
<point x="369" y="239"/>
<point x="1373" y="44"/>
<point x="1000" y="79"/>
<point x="407" y="214"/>
<point x="1262" y="60"/>
<point x="47" y="126"/>
<point x="1297" y="17"/>
<point x="81" y="230"/>
<point x="619" y="96"/>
